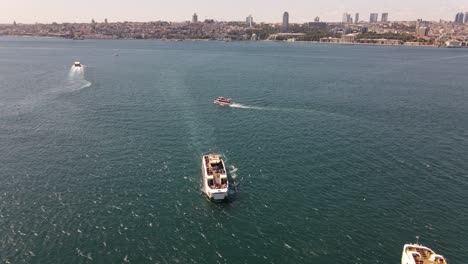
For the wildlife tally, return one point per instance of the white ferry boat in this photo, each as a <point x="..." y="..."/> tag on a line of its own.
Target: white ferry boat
<point x="77" y="64"/>
<point x="418" y="254"/>
<point x="215" y="181"/>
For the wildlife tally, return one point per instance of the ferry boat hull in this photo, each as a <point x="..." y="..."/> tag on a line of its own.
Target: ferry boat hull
<point x="215" y="183"/>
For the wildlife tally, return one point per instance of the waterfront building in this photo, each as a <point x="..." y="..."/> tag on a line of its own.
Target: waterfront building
<point x="356" y="18"/>
<point x="285" y="25"/>
<point x="330" y="40"/>
<point x="384" y="17"/>
<point x="348" y="38"/>
<point x="249" y="21"/>
<point x="453" y="43"/>
<point x="374" y="17"/>
<point x="194" y="18"/>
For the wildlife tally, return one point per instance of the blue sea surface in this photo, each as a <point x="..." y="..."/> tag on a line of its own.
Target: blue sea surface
<point x="337" y="154"/>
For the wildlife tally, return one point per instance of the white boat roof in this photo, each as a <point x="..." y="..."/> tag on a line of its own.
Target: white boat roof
<point x="214" y="158"/>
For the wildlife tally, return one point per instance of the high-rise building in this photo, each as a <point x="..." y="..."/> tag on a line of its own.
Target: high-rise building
<point x="249" y="21"/>
<point x="105" y="20"/>
<point x="421" y="24"/>
<point x="347" y="18"/>
<point x="285" y="25"/>
<point x="418" y="23"/>
<point x="195" y="18"/>
<point x="356" y="18"/>
<point x="466" y="18"/>
<point x="422" y="31"/>
<point x="459" y="18"/>
<point x="317" y="19"/>
<point x="374" y="17"/>
<point x="384" y="17"/>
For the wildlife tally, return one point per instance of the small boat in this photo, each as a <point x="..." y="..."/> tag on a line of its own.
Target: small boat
<point x="418" y="254"/>
<point x="77" y="64"/>
<point x="223" y="101"/>
<point x="215" y="181"/>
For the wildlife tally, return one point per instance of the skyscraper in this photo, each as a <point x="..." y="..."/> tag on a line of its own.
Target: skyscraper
<point x="459" y="18"/>
<point x="356" y="18"/>
<point x="249" y="21"/>
<point x="374" y="17"/>
<point x="466" y="18"/>
<point x="285" y="25"/>
<point x="384" y="17"/>
<point x="194" y="18"/>
<point x="346" y="18"/>
<point x="418" y="23"/>
<point x="422" y="31"/>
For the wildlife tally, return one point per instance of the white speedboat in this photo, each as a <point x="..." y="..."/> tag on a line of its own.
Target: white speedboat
<point x="223" y="101"/>
<point x="214" y="176"/>
<point x="77" y="64"/>
<point x="418" y="254"/>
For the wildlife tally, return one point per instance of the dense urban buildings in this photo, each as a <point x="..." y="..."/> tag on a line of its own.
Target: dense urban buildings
<point x="285" y="25"/>
<point x="375" y="32"/>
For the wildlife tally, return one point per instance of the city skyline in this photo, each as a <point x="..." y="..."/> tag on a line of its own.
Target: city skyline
<point x="300" y="11"/>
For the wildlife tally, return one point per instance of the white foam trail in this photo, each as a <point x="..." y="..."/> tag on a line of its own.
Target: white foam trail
<point x="236" y="105"/>
<point x="233" y="171"/>
<point x="288" y="110"/>
<point x="76" y="79"/>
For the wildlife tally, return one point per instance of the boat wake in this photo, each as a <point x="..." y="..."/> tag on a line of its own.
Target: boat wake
<point x="76" y="79"/>
<point x="233" y="181"/>
<point x="290" y="110"/>
<point x="236" y="105"/>
<point x="232" y="171"/>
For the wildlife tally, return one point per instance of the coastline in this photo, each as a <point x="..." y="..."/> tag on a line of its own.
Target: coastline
<point x="222" y="40"/>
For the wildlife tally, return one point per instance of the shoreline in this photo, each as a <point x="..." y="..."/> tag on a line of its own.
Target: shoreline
<point x="222" y="40"/>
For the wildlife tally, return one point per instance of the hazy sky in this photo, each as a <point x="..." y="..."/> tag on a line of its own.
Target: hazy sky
<point x="46" y="11"/>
